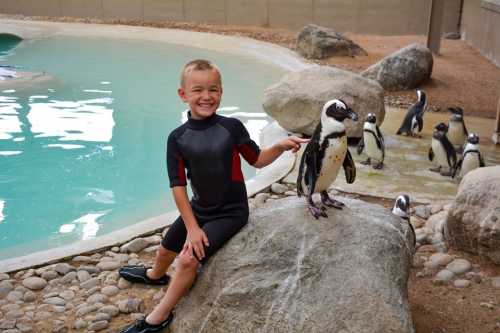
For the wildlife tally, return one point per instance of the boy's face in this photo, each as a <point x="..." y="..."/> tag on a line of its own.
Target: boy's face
<point x="202" y="91"/>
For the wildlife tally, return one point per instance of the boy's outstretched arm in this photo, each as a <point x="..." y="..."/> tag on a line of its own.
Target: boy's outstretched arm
<point x="268" y="155"/>
<point x="196" y="238"/>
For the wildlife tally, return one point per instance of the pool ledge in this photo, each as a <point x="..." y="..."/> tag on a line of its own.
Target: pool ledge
<point x="263" y="180"/>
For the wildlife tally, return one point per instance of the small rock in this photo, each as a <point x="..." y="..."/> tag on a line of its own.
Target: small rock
<point x="130" y="305"/>
<point x="68" y="295"/>
<point x="82" y="276"/>
<point x="461" y="283"/>
<point x="111" y="310"/>
<point x="108" y="265"/>
<point x="438" y="259"/>
<point x="54" y="301"/>
<point x="34" y="283"/>
<point x="4" y="276"/>
<point x="91" y="283"/>
<point x="68" y="278"/>
<point x="63" y="268"/>
<point x="444" y="276"/>
<point x="134" y="246"/>
<point x="14" y="314"/>
<point x="97" y="298"/>
<point x="15" y="296"/>
<point x="261" y="198"/>
<point x="459" y="266"/>
<point x="49" y="275"/>
<point x="124" y="284"/>
<point x="102" y="316"/>
<point x="424" y="212"/>
<point x="90" y="269"/>
<point x="42" y="315"/>
<point x="136" y="316"/>
<point x="110" y="290"/>
<point x="5" y="288"/>
<point x="79" y="324"/>
<point x="82" y="311"/>
<point x="29" y="296"/>
<point x="487" y="305"/>
<point x="290" y="193"/>
<point x="98" y="325"/>
<point x="278" y="188"/>
<point x="24" y="328"/>
<point x="84" y="259"/>
<point x="7" y="324"/>
<point x="495" y="282"/>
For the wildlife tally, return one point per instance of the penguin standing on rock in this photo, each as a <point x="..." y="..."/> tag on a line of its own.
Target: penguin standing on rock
<point x="414" y="122"/>
<point x="471" y="157"/>
<point x="372" y="142"/>
<point x="323" y="156"/>
<point x="442" y="152"/>
<point x="402" y="210"/>
<point x="457" y="132"/>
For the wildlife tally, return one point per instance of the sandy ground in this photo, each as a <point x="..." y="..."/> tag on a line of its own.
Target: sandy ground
<point x="461" y="76"/>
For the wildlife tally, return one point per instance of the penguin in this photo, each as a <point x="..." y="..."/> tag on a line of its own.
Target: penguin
<point x="413" y="121"/>
<point x="457" y="131"/>
<point x="323" y="156"/>
<point x="402" y="210"/>
<point x="442" y="151"/>
<point x="471" y="157"/>
<point x="372" y="142"/>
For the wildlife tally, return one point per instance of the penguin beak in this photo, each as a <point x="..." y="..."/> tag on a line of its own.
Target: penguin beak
<point x="352" y="115"/>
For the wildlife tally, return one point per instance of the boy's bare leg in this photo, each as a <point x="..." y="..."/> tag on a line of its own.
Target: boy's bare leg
<point x="163" y="260"/>
<point x="183" y="279"/>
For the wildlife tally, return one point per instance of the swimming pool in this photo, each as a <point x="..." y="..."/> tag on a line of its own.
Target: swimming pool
<point x="83" y="152"/>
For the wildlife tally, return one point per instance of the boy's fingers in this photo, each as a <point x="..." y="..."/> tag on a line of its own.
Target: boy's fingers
<point x="205" y="240"/>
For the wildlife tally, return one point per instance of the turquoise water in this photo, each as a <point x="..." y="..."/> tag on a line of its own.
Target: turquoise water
<point x="82" y="152"/>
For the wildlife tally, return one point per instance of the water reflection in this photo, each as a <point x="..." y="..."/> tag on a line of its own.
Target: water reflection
<point x="87" y="223"/>
<point x="2" y="206"/>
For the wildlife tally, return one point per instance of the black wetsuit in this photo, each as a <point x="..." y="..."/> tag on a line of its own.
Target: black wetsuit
<point x="209" y="150"/>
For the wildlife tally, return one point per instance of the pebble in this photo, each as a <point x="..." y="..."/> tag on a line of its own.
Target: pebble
<point x="108" y="265"/>
<point x="459" y="266"/>
<point x="290" y="193"/>
<point x="24" y="328"/>
<point x="134" y="246"/>
<point x="49" y="275"/>
<point x="130" y="305"/>
<point x="29" y="296"/>
<point x="487" y="305"/>
<point x="110" y="290"/>
<point x="91" y="283"/>
<point x="460" y="283"/>
<point x="97" y="298"/>
<point x="438" y="259"/>
<point x="102" y="316"/>
<point x="42" y="315"/>
<point x="63" y="268"/>
<point x="124" y="284"/>
<point x="79" y="324"/>
<point x="261" y="198"/>
<point x="423" y="212"/>
<point x="54" y="301"/>
<point x="111" y="310"/>
<point x="82" y="276"/>
<point x="495" y="282"/>
<point x="98" y="325"/>
<point x="5" y="288"/>
<point x="278" y="188"/>
<point x="444" y="276"/>
<point x="34" y="283"/>
<point x="90" y="269"/>
<point x="14" y="296"/>
<point x="82" y="311"/>
<point x="84" y="259"/>
<point x="68" y="278"/>
<point x="14" y="314"/>
<point x="68" y="295"/>
<point x="4" y="276"/>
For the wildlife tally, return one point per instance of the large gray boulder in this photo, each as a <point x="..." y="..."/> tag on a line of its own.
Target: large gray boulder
<point x="407" y="68"/>
<point x="297" y="99"/>
<point x="473" y="223"/>
<point x="315" y="42"/>
<point x="287" y="272"/>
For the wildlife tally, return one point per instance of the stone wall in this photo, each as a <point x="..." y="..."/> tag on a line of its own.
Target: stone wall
<point x="481" y="27"/>
<point x="391" y="17"/>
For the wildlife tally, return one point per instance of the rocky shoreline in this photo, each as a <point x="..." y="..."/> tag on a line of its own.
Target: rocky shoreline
<point x="86" y="294"/>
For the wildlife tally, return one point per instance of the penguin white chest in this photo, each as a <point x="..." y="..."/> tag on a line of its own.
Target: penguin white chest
<point x="332" y="162"/>
<point x="456" y="133"/>
<point x="371" y="147"/>
<point x="440" y="156"/>
<point x="470" y="162"/>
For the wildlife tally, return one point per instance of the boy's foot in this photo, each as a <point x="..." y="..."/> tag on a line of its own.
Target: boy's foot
<point x="142" y="326"/>
<point x="137" y="274"/>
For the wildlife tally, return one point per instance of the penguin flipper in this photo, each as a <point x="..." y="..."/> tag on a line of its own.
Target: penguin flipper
<point x="361" y="145"/>
<point x="451" y="154"/>
<point x="349" y="168"/>
<point x="379" y="134"/>
<point x="457" y="168"/>
<point x="300" y="190"/>
<point x="431" y="154"/>
<point x="465" y="129"/>
<point x="420" y="123"/>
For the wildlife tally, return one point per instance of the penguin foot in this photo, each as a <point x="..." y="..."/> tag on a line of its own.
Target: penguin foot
<point x="367" y="162"/>
<point x="436" y="169"/>
<point x="329" y="202"/>
<point x="317" y="212"/>
<point x="378" y="166"/>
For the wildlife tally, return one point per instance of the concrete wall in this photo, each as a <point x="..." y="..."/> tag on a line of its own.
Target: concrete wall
<point x="481" y="27"/>
<point x="394" y="17"/>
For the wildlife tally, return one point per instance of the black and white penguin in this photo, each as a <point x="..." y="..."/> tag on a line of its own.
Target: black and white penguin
<point x="457" y="131"/>
<point x="442" y="152"/>
<point x="402" y="210"/>
<point x="372" y="142"/>
<point x="471" y="157"/>
<point x="414" y="121"/>
<point x="323" y="156"/>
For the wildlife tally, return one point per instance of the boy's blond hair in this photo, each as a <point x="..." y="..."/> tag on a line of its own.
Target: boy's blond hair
<point x="198" y="65"/>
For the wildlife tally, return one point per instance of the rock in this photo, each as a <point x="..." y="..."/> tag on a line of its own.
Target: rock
<point x="84" y="259"/>
<point x="54" y="301"/>
<point x="82" y="276"/>
<point x="5" y="288"/>
<point x="111" y="310"/>
<point x="495" y="282"/>
<point x="89" y="269"/>
<point x="436" y="208"/>
<point x="461" y="283"/>
<point x="14" y="314"/>
<point x="405" y="69"/>
<point x="29" y="296"/>
<point x="84" y="310"/>
<point x="110" y="290"/>
<point x="124" y="284"/>
<point x="14" y="296"/>
<point x="135" y="246"/>
<point x="290" y="193"/>
<point x="108" y="265"/>
<point x="63" y="268"/>
<point x="423" y="212"/>
<point x="24" y="328"/>
<point x="297" y="99"/>
<point x="42" y="315"/>
<point x="97" y="298"/>
<point x="34" y="283"/>
<point x="473" y="223"/>
<point x="278" y="188"/>
<point x="80" y="324"/>
<point x="444" y="276"/>
<point x="102" y="316"/>
<point x="452" y="35"/>
<point x="98" y="325"/>
<point x="282" y="273"/>
<point x="49" y="275"/>
<point x="459" y="266"/>
<point x="68" y="278"/>
<point x="130" y="305"/>
<point x="315" y="42"/>
<point x="261" y="198"/>
<point x="91" y="283"/>
<point x="7" y="324"/>
<point x="4" y="276"/>
<point x="437" y="222"/>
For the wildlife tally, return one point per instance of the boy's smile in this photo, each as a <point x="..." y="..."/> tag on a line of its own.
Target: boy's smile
<point x="202" y="91"/>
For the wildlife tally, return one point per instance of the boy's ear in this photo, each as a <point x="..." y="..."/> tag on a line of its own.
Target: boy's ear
<point x="182" y="94"/>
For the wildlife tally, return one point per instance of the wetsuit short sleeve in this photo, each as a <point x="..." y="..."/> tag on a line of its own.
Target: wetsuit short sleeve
<point x="245" y="145"/>
<point x="175" y="163"/>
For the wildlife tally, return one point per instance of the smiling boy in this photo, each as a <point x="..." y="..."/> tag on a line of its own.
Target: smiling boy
<point x="208" y="146"/>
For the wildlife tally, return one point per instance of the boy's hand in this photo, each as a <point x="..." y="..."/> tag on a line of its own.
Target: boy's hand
<point x="196" y="241"/>
<point x="292" y="143"/>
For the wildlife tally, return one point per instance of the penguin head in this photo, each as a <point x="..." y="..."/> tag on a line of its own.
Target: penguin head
<point x="402" y="206"/>
<point x="421" y="95"/>
<point x="371" y="118"/>
<point x="338" y="110"/>
<point x="473" y="139"/>
<point x="441" y="127"/>
<point x="457" y="113"/>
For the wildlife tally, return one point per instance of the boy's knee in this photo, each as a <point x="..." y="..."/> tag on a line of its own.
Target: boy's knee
<point x="188" y="262"/>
